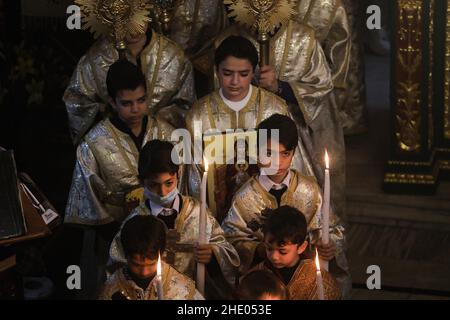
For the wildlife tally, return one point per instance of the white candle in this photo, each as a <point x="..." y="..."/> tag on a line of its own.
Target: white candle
<point x="159" y="286"/>
<point x="319" y="280"/>
<point x="202" y="230"/>
<point x="326" y="207"/>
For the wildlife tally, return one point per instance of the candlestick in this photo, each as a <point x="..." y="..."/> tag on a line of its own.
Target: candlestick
<point x="319" y="280"/>
<point x="202" y="229"/>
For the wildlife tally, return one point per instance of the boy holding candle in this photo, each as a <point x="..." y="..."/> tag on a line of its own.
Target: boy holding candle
<point x="143" y="238"/>
<point x="159" y="173"/>
<point x="285" y="244"/>
<point x="285" y="186"/>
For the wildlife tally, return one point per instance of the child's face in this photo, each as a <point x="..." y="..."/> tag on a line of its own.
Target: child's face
<point x="131" y="105"/>
<point x="283" y="256"/>
<point x="142" y="267"/>
<point x="162" y="183"/>
<point x="235" y="76"/>
<point x="281" y="157"/>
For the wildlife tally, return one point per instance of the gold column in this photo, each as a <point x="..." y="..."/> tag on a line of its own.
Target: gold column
<point x="412" y="166"/>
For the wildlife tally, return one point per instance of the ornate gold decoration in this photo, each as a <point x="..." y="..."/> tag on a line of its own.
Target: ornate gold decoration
<point x="262" y="16"/>
<point x="447" y="78"/>
<point x="403" y="178"/>
<point x="430" y="78"/>
<point x="116" y="18"/>
<point x="410" y="67"/>
<point x="163" y="9"/>
<point x="444" y="165"/>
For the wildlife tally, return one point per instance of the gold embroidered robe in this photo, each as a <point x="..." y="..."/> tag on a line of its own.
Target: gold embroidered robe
<point x="244" y="222"/>
<point x="176" y="286"/>
<point x="169" y="75"/>
<point x="303" y="285"/>
<point x="187" y="226"/>
<point x="106" y="171"/>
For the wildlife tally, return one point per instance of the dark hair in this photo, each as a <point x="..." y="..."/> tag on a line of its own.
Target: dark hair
<point x="143" y="235"/>
<point x="238" y="47"/>
<point x="258" y="283"/>
<point x="123" y="75"/>
<point x="156" y="157"/>
<point x="287" y="130"/>
<point x="285" y="224"/>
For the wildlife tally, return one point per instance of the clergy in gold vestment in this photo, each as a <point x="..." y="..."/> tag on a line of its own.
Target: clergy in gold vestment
<point x="336" y="28"/>
<point x="285" y="247"/>
<point x="236" y="105"/>
<point x="329" y="20"/>
<point x="106" y="168"/>
<point x="299" y="73"/>
<point x="168" y="73"/>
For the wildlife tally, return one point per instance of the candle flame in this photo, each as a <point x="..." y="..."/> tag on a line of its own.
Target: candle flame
<point x="205" y="162"/>
<point x="327" y="160"/>
<point x="158" y="266"/>
<point x="317" y="261"/>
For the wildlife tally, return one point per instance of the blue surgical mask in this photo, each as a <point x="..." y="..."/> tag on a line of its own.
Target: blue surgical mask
<point x="165" y="201"/>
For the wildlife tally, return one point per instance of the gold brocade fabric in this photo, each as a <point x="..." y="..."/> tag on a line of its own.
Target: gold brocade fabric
<point x="303" y="284"/>
<point x="197" y="22"/>
<point x="329" y="20"/>
<point x="106" y="171"/>
<point x="187" y="227"/>
<point x="335" y="25"/>
<point x="169" y="75"/>
<point x="176" y="286"/>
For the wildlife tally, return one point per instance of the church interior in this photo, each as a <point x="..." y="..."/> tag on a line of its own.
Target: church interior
<point x="397" y="151"/>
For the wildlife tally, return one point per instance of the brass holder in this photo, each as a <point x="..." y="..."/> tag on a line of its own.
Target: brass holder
<point x="121" y="48"/>
<point x="263" y="17"/>
<point x="165" y="22"/>
<point x="264" y="49"/>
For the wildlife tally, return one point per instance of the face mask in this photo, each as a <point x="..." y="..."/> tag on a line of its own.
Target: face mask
<point x="165" y="201"/>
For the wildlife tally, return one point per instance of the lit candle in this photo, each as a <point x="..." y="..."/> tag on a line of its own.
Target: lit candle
<point x="326" y="207"/>
<point x="319" y="280"/>
<point x="159" y="286"/>
<point x="202" y="229"/>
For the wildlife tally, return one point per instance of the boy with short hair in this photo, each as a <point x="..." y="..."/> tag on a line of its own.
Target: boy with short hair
<point x="284" y="186"/>
<point x="285" y="243"/>
<point x="261" y="285"/>
<point x="143" y="239"/>
<point x="159" y="173"/>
